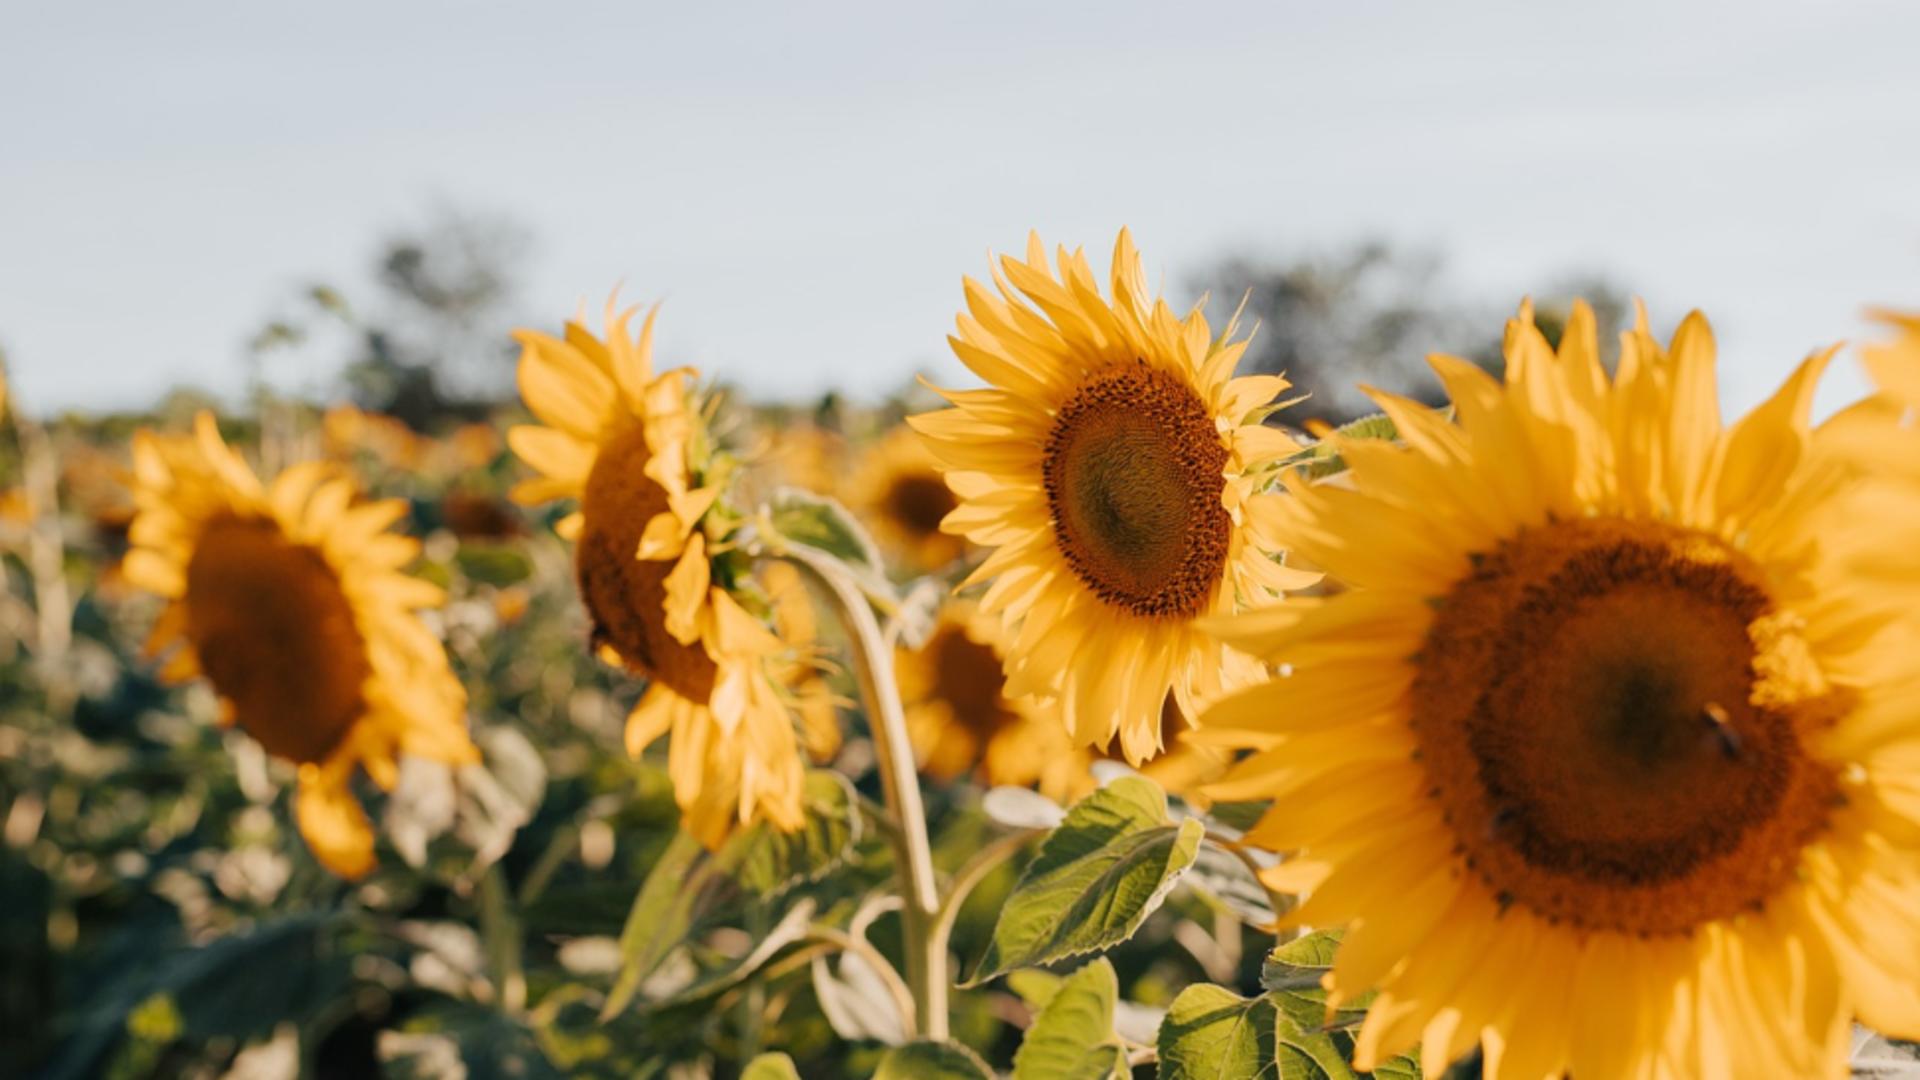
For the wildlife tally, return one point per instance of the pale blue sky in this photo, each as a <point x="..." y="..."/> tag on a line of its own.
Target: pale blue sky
<point x="805" y="183"/>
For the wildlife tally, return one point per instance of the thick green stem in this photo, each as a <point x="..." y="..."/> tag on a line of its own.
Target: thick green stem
<point x="926" y="953"/>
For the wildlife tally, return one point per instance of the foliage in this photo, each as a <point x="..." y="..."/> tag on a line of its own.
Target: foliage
<point x="1104" y="870"/>
<point x="540" y="914"/>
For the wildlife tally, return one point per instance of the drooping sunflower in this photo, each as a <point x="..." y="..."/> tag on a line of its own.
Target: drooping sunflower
<point x="1608" y="759"/>
<point x="963" y="723"/>
<point x="1108" y="466"/>
<point x="657" y="574"/>
<point x="898" y="491"/>
<point x="289" y="598"/>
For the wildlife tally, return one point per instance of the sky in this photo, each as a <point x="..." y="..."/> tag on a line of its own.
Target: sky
<point x="805" y="185"/>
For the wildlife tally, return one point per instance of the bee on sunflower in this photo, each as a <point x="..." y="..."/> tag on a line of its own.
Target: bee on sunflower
<point x="670" y="598"/>
<point x="1607" y="757"/>
<point x="289" y="598"/>
<point x="1107" y="469"/>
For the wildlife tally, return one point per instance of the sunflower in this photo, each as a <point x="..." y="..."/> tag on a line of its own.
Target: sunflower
<point x="1108" y="467"/>
<point x="800" y="454"/>
<point x="346" y="430"/>
<point x="962" y="722"/>
<point x="898" y="491"/>
<point x="1608" y="758"/>
<point x="289" y="598"/>
<point x="657" y="574"/>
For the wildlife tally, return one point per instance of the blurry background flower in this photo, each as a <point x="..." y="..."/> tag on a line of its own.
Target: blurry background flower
<point x="897" y="491"/>
<point x="963" y="724"/>
<point x="289" y="599"/>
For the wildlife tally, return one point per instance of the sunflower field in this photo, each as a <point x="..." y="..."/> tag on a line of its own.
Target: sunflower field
<point x="1099" y="718"/>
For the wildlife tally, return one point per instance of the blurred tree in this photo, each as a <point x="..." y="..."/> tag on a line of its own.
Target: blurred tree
<point x="1365" y="314"/>
<point x="436" y="341"/>
<point x="427" y="343"/>
<point x="1371" y="314"/>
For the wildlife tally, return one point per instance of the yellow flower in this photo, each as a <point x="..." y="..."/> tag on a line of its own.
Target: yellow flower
<point x="346" y="430"/>
<point x="801" y="454"/>
<point x="1108" y="466"/>
<point x="962" y="722"/>
<point x="290" y="599"/>
<point x="1608" y="759"/>
<point x="655" y="575"/>
<point x="470" y="446"/>
<point x="897" y="490"/>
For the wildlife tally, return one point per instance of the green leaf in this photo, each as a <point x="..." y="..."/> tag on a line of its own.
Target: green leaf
<point x="1238" y="816"/>
<point x="1213" y="1033"/>
<point x="1301" y="961"/>
<point x="932" y="1061"/>
<point x="791" y="928"/>
<point x="770" y="1067"/>
<point x="494" y="564"/>
<point x="1322" y="459"/>
<point x="761" y="859"/>
<point x="767" y="861"/>
<point x="1097" y="877"/>
<point x="1072" y="1037"/>
<point x="661" y="916"/>
<point x="237" y="987"/>
<point x="1404" y="1067"/>
<point x="817" y="521"/>
<point x="1034" y="986"/>
<point x="1293" y="972"/>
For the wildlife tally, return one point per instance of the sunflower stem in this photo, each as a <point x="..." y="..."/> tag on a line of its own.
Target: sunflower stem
<point x="926" y="952"/>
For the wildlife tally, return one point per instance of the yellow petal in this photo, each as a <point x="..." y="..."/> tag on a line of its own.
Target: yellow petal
<point x="333" y="823"/>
